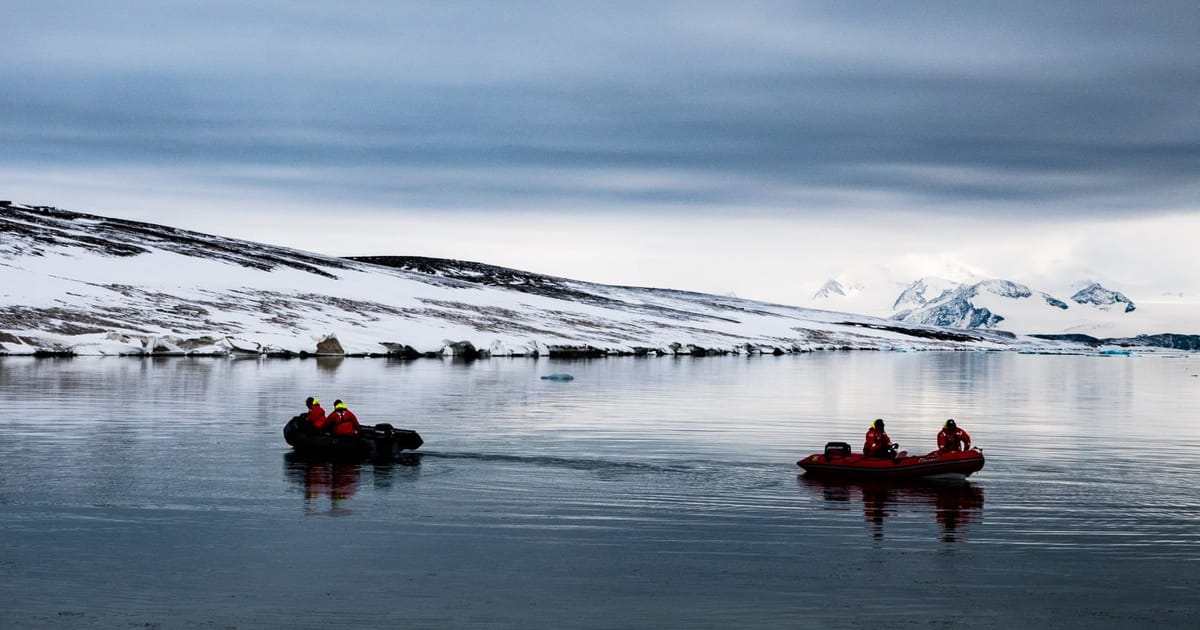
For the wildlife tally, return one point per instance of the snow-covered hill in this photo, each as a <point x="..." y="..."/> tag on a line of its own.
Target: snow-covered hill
<point x="86" y="284"/>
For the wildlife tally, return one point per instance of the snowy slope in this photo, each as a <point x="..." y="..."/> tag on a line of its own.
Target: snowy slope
<point x="85" y="284"/>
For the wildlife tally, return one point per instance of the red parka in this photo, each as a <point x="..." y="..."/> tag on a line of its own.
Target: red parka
<point x="950" y="441"/>
<point x="344" y="422"/>
<point x="877" y="443"/>
<point x="316" y="417"/>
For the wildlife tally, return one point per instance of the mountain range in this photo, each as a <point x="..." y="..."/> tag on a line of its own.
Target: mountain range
<point x="997" y="304"/>
<point x="75" y="283"/>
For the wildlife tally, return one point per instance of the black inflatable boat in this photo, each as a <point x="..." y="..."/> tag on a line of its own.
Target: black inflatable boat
<point x="381" y="441"/>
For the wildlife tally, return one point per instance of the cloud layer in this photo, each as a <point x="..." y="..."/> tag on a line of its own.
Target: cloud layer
<point x="1066" y="108"/>
<point x="877" y="114"/>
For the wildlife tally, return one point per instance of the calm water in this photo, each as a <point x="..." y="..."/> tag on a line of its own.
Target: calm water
<point x="647" y="493"/>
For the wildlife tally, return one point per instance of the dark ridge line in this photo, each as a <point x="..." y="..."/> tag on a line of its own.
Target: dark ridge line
<point x="47" y="225"/>
<point x="1175" y="341"/>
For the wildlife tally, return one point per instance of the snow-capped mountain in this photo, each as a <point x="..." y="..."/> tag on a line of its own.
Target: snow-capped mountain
<point x="975" y="306"/>
<point x="1102" y="298"/>
<point x="1089" y="308"/>
<point x="833" y="287"/>
<point x="87" y="284"/>
<point x="1005" y="305"/>
<point x="922" y="292"/>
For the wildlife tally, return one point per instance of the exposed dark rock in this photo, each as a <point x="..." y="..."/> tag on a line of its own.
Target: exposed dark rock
<point x="1073" y="338"/>
<point x="330" y="345"/>
<point x="197" y="342"/>
<point x="400" y="350"/>
<point x="1164" y="340"/>
<point x="56" y="353"/>
<point x="923" y="333"/>
<point x="1055" y="302"/>
<point x="464" y="350"/>
<point x="575" y="352"/>
<point x="1169" y="340"/>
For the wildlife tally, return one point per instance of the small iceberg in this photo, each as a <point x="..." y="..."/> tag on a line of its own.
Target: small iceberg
<point x="558" y="377"/>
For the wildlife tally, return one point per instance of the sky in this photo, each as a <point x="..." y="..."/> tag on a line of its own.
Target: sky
<point x="754" y="148"/>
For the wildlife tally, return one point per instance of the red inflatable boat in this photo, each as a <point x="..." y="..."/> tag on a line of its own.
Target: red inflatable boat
<point x="838" y="462"/>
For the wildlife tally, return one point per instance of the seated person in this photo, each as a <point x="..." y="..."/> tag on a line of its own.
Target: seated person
<point x="952" y="439"/>
<point x="342" y="421"/>
<point x="878" y="444"/>
<point x="314" y="420"/>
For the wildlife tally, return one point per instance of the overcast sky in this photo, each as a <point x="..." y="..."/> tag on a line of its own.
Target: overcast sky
<point x="758" y="148"/>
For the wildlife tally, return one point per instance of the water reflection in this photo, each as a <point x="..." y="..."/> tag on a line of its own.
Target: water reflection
<point x="329" y="364"/>
<point x="329" y="486"/>
<point x="955" y="504"/>
<point x="402" y="467"/>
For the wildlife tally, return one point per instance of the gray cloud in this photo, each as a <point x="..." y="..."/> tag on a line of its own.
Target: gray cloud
<point x="1046" y="108"/>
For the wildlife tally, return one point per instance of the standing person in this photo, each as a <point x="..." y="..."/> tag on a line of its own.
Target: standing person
<point x="315" y="418"/>
<point x="952" y="439"/>
<point x="877" y="444"/>
<point x="343" y="421"/>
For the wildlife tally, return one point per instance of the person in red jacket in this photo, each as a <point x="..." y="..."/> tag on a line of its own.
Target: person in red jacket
<point x="877" y="444"/>
<point x="343" y="421"/>
<point x="952" y="439"/>
<point x="315" y="418"/>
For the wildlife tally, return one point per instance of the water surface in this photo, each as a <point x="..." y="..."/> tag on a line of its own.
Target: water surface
<point x="646" y="493"/>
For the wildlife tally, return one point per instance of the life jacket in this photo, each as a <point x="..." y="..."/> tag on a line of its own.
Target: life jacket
<point x="951" y="441"/>
<point x="344" y="422"/>
<point x="316" y="416"/>
<point x="876" y="443"/>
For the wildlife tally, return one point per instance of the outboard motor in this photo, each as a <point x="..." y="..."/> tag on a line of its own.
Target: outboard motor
<point x="837" y="449"/>
<point x="387" y="441"/>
